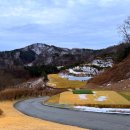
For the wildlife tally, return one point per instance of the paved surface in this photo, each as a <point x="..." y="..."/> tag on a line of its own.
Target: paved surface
<point x="94" y="121"/>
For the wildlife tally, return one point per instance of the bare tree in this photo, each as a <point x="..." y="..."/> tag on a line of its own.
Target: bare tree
<point x="125" y="30"/>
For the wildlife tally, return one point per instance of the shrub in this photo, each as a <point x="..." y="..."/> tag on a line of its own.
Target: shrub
<point x="17" y="93"/>
<point x="82" y="91"/>
<point x="109" y="105"/>
<point x="1" y="112"/>
<point x="38" y="71"/>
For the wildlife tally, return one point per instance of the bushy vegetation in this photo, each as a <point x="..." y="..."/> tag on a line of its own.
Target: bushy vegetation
<point x="123" y="52"/>
<point x="82" y="91"/>
<point x="17" y="75"/>
<point x="17" y="93"/>
<point x="13" y="76"/>
<point x="37" y="71"/>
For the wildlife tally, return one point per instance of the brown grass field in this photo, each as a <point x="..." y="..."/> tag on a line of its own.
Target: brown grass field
<point x="113" y="99"/>
<point x="14" y="120"/>
<point x="58" y="82"/>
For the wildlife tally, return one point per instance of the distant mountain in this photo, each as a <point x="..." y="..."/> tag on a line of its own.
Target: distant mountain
<point x="42" y="54"/>
<point x="12" y="62"/>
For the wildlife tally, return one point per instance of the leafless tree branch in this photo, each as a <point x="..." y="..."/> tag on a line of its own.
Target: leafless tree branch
<point x="125" y="29"/>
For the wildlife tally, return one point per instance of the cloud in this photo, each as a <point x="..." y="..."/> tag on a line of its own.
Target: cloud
<point x="83" y="23"/>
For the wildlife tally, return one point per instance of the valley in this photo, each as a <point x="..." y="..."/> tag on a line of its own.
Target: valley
<point x="64" y="65"/>
<point x="93" y="85"/>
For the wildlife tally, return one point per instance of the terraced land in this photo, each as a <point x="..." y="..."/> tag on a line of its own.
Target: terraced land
<point x="98" y="99"/>
<point x="57" y="82"/>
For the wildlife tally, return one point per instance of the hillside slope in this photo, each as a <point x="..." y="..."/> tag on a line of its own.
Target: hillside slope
<point x="12" y="77"/>
<point x="117" y="77"/>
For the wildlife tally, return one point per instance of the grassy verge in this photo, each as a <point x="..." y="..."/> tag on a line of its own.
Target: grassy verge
<point x="82" y="92"/>
<point x="14" y="120"/>
<point x="53" y="99"/>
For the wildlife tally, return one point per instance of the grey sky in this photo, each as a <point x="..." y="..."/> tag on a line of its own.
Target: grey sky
<point x="64" y="23"/>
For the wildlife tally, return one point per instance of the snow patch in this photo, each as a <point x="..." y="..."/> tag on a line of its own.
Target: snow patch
<point x="103" y="110"/>
<point x="74" y="72"/>
<point x="108" y="84"/>
<point x="30" y="64"/>
<point x="82" y="96"/>
<point x="103" y="63"/>
<point x="37" y="51"/>
<point x="101" y="98"/>
<point x="70" y="77"/>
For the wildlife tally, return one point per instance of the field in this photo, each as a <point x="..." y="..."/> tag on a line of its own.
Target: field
<point x="98" y="99"/>
<point x="58" y="82"/>
<point x="14" y="120"/>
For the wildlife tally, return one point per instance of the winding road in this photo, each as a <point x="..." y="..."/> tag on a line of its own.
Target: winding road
<point x="94" y="121"/>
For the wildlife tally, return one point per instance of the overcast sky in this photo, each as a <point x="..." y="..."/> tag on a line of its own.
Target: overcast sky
<point x="64" y="23"/>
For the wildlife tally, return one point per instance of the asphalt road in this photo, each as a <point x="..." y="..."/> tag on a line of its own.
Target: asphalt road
<point x="94" y="121"/>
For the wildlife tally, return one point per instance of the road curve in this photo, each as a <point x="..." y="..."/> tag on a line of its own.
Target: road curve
<point x="94" y="121"/>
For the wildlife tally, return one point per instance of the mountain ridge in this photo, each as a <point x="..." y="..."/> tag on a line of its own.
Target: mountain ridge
<point x="37" y="52"/>
<point x="13" y="63"/>
<point x="43" y="54"/>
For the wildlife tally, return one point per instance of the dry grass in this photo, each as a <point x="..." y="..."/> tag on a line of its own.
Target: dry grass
<point x="123" y="85"/>
<point x="113" y="99"/>
<point x="14" y="120"/>
<point x="17" y="93"/>
<point x="58" y="82"/>
<point x="115" y="74"/>
<point x="54" y="99"/>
